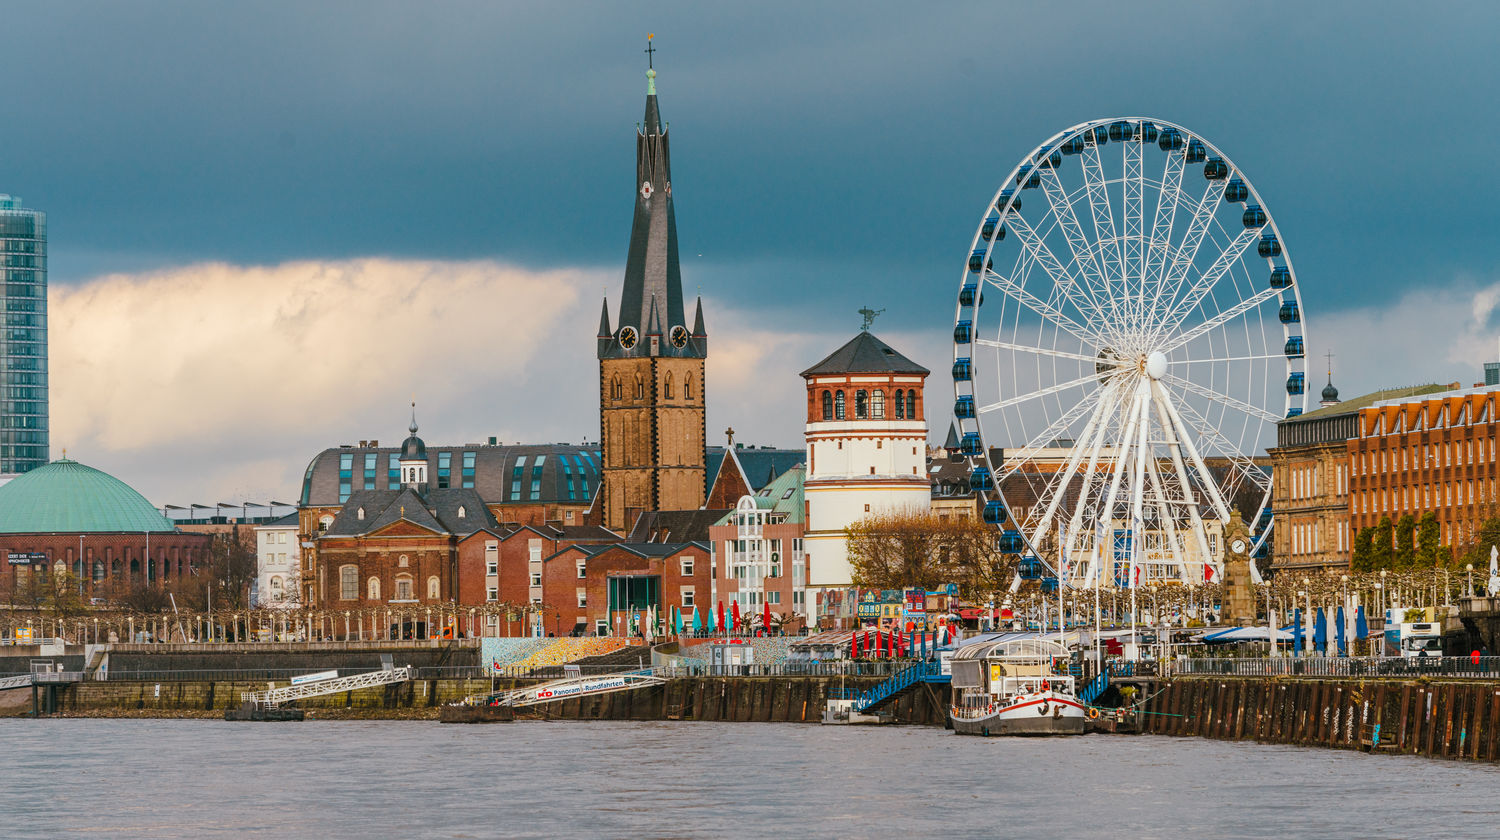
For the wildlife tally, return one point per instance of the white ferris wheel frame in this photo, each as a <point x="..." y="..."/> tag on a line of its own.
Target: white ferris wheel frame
<point x="1099" y="269"/>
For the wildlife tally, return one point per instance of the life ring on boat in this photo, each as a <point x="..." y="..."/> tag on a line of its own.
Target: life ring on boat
<point x="1044" y="685"/>
<point x="1042" y="709"/>
<point x="1093" y="713"/>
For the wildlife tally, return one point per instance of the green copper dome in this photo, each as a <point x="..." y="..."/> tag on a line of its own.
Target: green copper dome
<point x="68" y="497"/>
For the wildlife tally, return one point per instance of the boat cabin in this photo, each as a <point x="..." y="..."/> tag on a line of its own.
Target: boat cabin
<point x="1003" y="665"/>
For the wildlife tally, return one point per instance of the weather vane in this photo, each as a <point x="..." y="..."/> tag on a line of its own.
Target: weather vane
<point x="869" y="315"/>
<point x="1329" y="357"/>
<point x="650" y="50"/>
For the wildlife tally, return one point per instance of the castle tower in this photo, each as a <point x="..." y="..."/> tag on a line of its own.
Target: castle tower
<point x="866" y="448"/>
<point x="651" y="364"/>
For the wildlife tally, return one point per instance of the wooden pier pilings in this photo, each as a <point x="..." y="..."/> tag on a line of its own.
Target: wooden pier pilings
<point x="1453" y="719"/>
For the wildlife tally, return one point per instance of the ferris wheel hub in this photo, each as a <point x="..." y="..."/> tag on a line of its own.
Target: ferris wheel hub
<point x="1156" y="364"/>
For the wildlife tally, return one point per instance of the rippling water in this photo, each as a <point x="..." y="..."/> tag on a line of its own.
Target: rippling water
<point x="197" y="778"/>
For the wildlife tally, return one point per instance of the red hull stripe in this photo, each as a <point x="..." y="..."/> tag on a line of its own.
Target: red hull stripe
<point x="1056" y="700"/>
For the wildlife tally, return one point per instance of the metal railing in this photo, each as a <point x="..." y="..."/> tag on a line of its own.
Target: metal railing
<point x="1484" y="667"/>
<point x="849" y="668"/>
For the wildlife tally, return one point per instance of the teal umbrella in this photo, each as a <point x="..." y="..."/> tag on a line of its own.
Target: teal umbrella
<point x="678" y="612"/>
<point x="710" y="622"/>
<point x="697" y="622"/>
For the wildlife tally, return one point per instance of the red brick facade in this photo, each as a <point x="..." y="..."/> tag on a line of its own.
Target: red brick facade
<point x="112" y="562"/>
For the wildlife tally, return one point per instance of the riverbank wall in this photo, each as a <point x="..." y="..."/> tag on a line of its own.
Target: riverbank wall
<point x="789" y="699"/>
<point x="1457" y="719"/>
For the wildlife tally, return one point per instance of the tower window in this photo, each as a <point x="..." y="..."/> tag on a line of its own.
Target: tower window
<point x="861" y="404"/>
<point x="687" y="387"/>
<point x="900" y="406"/>
<point x="616" y="390"/>
<point x="827" y="405"/>
<point x="911" y="405"/>
<point x="667" y="386"/>
<point x="640" y="387"/>
<point x="877" y="404"/>
<point x="838" y="405"/>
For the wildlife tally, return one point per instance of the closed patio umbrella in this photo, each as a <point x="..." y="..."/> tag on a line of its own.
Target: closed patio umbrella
<point x="697" y="621"/>
<point x="1297" y="632"/>
<point x="721" y="617"/>
<point x="1361" y="627"/>
<point x="1338" y="632"/>
<point x="1320" y="630"/>
<point x="735" y="608"/>
<point x="765" y="617"/>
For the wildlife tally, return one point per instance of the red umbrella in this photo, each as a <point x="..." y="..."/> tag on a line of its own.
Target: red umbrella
<point x="765" y="618"/>
<point x="721" y="617"/>
<point x="879" y="644"/>
<point x="868" y="651"/>
<point x="853" y="645"/>
<point x="735" y="605"/>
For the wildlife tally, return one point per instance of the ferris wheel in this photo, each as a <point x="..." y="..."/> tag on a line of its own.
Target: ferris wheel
<point x="1129" y="331"/>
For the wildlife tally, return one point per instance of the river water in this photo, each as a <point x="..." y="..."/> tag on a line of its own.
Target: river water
<point x="378" y="779"/>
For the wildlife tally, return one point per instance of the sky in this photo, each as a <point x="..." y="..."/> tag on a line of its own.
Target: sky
<point x="274" y="224"/>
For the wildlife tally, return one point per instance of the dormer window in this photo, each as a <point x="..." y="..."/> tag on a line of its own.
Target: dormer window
<point x="462" y="512"/>
<point x="360" y="513"/>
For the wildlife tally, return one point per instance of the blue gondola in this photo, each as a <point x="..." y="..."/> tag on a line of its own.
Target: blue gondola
<point x="1023" y="172"/>
<point x="1281" y="277"/>
<point x="1170" y="140"/>
<point x="1216" y="169"/>
<point x="1195" y="152"/>
<point x="1263" y="550"/>
<point x="1236" y="190"/>
<point x="976" y="261"/>
<point x="970" y="444"/>
<point x="1293" y="412"/>
<point x="1294" y="348"/>
<point x="1049" y="585"/>
<point x="1289" y="313"/>
<point x="1032" y="182"/>
<point x="992" y="229"/>
<point x="1254" y="217"/>
<point x="980" y="480"/>
<point x="1030" y="568"/>
<point x="1295" y="383"/>
<point x="963" y="407"/>
<point x="1269" y="246"/>
<point x="963" y="332"/>
<point x="962" y="370"/>
<point x="1148" y="132"/>
<point x="994" y="512"/>
<point x="967" y="294"/>
<point x="1051" y="161"/>
<point x="1074" y="145"/>
<point x="1011" y="542"/>
<point x="1121" y="131"/>
<point x="1007" y="196"/>
<point x="1101" y="135"/>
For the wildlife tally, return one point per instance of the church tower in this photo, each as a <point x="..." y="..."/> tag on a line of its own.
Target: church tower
<point x="651" y="388"/>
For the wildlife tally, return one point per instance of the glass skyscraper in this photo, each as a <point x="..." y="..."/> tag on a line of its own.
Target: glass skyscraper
<point x="23" y="344"/>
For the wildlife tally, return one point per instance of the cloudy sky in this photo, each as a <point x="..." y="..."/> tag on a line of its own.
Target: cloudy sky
<point x="273" y="223"/>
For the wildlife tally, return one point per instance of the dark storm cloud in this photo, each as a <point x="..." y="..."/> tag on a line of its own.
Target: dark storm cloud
<point x="826" y="155"/>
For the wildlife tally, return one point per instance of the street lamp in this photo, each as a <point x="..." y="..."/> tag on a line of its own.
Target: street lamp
<point x="1470" y="568"/>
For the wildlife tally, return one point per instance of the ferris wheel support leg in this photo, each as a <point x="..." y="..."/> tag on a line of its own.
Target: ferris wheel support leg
<point x="1069" y="469"/>
<point x="1108" y="408"/>
<point x="1138" y="480"/>
<point x="1175" y="449"/>
<point x="1107" y="513"/>
<point x="1173" y="541"/>
<point x="1187" y="440"/>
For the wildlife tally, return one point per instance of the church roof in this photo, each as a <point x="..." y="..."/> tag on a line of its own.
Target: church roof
<point x="760" y="463"/>
<point x="436" y="510"/>
<point x="865" y="353"/>
<point x="560" y="472"/>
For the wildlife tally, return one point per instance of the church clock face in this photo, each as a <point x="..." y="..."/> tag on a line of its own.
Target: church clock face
<point x="627" y="337"/>
<point x="679" y="336"/>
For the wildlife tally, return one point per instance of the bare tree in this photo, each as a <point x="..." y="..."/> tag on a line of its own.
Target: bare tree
<point x="916" y="548"/>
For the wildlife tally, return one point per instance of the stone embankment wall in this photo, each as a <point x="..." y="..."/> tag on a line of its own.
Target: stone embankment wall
<point x="1443" y="719"/>
<point x="793" y="699"/>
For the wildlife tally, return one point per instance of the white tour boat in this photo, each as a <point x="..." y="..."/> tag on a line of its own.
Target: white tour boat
<point x="1014" y="684"/>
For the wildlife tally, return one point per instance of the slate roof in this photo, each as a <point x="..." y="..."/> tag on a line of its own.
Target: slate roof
<point x="669" y="526"/>
<point x="437" y="511"/>
<point x="760" y="463"/>
<point x="570" y="472"/>
<point x="865" y="353"/>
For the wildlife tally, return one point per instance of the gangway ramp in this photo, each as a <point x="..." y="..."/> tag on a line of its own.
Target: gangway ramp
<point x="570" y="687"/>
<point x="273" y="697"/>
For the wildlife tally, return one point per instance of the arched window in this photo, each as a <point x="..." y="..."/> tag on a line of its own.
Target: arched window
<point x="827" y="405"/>
<point x="324" y="523"/>
<point x="403" y="588"/>
<point x="667" y="386"/>
<point x="462" y="511"/>
<point x="861" y="404"/>
<point x="838" y="405"/>
<point x="640" y="387"/>
<point x="372" y="589"/>
<point x="277" y="595"/>
<point x="877" y="404"/>
<point x="360" y="514"/>
<point x="900" y="406"/>
<point x="687" y="387"/>
<point x="616" y="390"/>
<point x="434" y="588"/>
<point x="911" y="405"/>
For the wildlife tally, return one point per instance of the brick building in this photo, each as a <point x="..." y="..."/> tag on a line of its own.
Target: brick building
<point x="1429" y="451"/>
<point x="651" y="365"/>
<point x="758" y="556"/>
<point x="68" y="517"/>
<point x="601" y="589"/>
